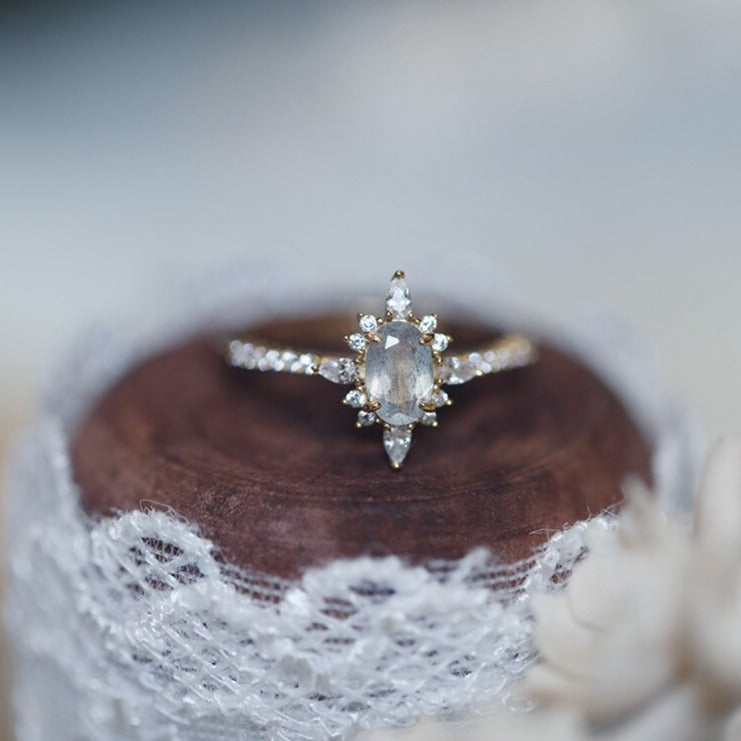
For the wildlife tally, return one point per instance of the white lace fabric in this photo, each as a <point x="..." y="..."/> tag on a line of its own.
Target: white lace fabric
<point x="134" y="626"/>
<point x="144" y="627"/>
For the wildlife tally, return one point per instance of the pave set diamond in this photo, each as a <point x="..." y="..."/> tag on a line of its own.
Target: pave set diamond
<point x="397" y="368"/>
<point x="258" y="356"/>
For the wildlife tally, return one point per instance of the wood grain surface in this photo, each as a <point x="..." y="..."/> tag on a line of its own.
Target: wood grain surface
<point x="271" y="468"/>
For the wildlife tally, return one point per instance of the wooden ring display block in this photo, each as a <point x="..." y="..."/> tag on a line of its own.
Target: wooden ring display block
<point x="270" y="467"/>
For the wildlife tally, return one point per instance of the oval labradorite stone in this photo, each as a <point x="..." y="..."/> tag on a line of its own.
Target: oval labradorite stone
<point x="399" y="373"/>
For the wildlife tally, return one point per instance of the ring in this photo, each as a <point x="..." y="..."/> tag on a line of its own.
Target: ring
<point x="398" y="368"/>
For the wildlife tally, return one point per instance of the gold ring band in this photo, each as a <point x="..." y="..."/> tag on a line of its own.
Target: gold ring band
<point x="397" y="367"/>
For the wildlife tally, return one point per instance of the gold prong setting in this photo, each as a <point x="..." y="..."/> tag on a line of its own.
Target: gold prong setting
<point x="368" y="324"/>
<point x="355" y="398"/>
<point x="440" y="342"/>
<point x="356" y="341"/>
<point x="429" y="419"/>
<point x="396" y="366"/>
<point x="397" y="438"/>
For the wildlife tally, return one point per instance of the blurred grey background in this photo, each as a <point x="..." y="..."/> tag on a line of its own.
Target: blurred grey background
<point x="583" y="153"/>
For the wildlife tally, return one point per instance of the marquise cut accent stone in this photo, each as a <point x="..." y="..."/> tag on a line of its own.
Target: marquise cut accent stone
<point x="399" y="373"/>
<point x="457" y="370"/>
<point x="396" y="442"/>
<point x="341" y="370"/>
<point x="398" y="298"/>
<point x="438" y="399"/>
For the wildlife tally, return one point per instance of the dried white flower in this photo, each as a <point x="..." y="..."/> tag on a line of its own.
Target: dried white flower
<point x="649" y="623"/>
<point x="644" y="642"/>
<point x="607" y="640"/>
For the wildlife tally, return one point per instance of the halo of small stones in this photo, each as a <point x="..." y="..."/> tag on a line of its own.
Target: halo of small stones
<point x="397" y="439"/>
<point x="509" y="352"/>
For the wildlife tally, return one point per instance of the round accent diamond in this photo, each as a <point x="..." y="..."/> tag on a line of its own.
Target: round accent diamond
<point x="368" y="323"/>
<point x="429" y="419"/>
<point x="438" y="399"/>
<point x="440" y="342"/>
<point x="355" y="398"/>
<point x="365" y="419"/>
<point x="399" y="373"/>
<point x="356" y="342"/>
<point x="428" y="324"/>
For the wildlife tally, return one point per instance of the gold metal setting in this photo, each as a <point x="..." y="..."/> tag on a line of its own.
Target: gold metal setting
<point x="504" y="353"/>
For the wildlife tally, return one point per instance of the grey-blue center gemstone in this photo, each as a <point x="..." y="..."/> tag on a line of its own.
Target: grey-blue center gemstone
<point x="399" y="373"/>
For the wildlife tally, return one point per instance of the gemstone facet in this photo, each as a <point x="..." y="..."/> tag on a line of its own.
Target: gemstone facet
<point x="396" y="441"/>
<point x="398" y="299"/>
<point x="355" y="398"/>
<point x="440" y="342"/>
<point x="399" y="373"/>
<point x="368" y="323"/>
<point x="457" y="370"/>
<point x="428" y="323"/>
<point x="429" y="419"/>
<point x="356" y="342"/>
<point x="341" y="370"/>
<point x="366" y="419"/>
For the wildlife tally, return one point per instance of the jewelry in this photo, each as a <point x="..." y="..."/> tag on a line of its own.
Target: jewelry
<point x="398" y="368"/>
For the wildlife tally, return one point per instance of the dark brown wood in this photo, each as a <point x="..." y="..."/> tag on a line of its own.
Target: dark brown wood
<point x="271" y="468"/>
